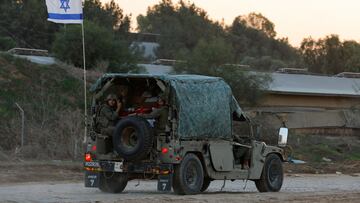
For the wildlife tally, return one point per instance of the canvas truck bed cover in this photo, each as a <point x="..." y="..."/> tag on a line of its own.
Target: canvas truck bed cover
<point x="205" y="104"/>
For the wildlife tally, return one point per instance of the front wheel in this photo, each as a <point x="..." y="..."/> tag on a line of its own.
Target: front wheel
<point x="206" y="184"/>
<point x="272" y="175"/>
<point x="113" y="182"/>
<point x="189" y="176"/>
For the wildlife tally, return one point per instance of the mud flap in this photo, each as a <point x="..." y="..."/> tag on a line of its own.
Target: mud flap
<point x="164" y="183"/>
<point x="92" y="179"/>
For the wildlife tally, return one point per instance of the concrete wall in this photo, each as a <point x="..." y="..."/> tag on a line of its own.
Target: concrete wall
<point x="307" y="114"/>
<point x="327" y="102"/>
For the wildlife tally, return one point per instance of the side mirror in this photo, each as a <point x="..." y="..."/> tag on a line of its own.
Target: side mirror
<point x="283" y="135"/>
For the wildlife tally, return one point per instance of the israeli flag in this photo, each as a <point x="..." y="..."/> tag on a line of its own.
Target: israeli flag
<point x="65" y="11"/>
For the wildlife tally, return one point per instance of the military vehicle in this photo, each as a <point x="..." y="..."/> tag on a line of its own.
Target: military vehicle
<point x="204" y="136"/>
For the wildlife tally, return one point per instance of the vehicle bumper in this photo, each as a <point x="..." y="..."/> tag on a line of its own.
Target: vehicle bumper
<point x="163" y="172"/>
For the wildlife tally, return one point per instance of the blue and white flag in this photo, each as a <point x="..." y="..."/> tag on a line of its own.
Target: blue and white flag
<point x="65" y="11"/>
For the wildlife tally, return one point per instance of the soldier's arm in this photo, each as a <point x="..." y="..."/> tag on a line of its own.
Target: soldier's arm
<point x="111" y="115"/>
<point x="154" y="114"/>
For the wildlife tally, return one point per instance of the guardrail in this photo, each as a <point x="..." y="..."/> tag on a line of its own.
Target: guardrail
<point x="27" y="51"/>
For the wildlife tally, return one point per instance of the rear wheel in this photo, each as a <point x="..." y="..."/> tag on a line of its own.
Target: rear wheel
<point x="113" y="182"/>
<point x="189" y="176"/>
<point x="272" y="175"/>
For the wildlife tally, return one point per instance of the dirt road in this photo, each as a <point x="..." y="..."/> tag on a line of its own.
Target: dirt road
<point x="298" y="188"/>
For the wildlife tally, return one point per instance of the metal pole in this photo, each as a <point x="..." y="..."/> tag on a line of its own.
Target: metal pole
<point x="85" y="96"/>
<point x="22" y="124"/>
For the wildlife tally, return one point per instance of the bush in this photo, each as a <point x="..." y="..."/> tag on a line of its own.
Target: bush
<point x="6" y="43"/>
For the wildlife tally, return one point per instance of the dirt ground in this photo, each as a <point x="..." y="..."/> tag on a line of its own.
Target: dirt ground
<point x="63" y="182"/>
<point x="36" y="171"/>
<point x="299" y="188"/>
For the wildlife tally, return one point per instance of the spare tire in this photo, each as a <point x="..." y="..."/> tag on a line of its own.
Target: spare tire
<point x="133" y="138"/>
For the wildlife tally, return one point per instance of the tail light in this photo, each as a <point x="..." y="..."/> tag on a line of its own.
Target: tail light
<point x="88" y="157"/>
<point x="164" y="150"/>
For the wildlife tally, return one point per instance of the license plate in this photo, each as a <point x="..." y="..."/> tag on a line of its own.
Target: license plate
<point x="92" y="164"/>
<point x="91" y="179"/>
<point x="118" y="166"/>
<point x="164" y="182"/>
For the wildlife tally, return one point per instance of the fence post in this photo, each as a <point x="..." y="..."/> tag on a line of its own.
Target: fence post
<point x="22" y="123"/>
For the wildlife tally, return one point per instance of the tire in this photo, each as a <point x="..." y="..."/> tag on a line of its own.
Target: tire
<point x="205" y="185"/>
<point x="272" y="175"/>
<point x="133" y="138"/>
<point x="188" y="176"/>
<point x="111" y="182"/>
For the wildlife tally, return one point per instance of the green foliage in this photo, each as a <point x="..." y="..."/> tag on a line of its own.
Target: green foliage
<point x="202" y="46"/>
<point x="352" y="56"/>
<point x="101" y="45"/>
<point x="206" y="57"/>
<point x="330" y="56"/>
<point x="312" y="148"/>
<point x="6" y="43"/>
<point x="259" y="22"/>
<point x="109" y="15"/>
<point x="51" y="99"/>
<point x="252" y="36"/>
<point x="180" y="26"/>
<point x="68" y="44"/>
<point x="26" y="23"/>
<point x="247" y="87"/>
<point x="254" y="44"/>
<point x="210" y="58"/>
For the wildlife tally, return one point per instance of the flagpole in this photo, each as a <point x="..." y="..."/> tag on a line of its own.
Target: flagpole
<point x="85" y="89"/>
<point x="58" y="13"/>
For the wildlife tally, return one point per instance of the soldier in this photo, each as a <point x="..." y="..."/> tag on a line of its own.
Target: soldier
<point x="159" y="113"/>
<point x="109" y="114"/>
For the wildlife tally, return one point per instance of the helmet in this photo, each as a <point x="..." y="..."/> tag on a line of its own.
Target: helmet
<point x="111" y="97"/>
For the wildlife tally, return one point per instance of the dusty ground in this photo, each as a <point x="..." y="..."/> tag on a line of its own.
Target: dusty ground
<point x="300" y="188"/>
<point x="62" y="182"/>
<point x="20" y="172"/>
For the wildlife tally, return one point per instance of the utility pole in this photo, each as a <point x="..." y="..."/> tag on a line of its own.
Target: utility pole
<point x="22" y="123"/>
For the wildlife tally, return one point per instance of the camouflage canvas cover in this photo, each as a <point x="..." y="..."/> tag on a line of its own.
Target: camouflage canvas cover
<point x="205" y="104"/>
<point x="204" y="107"/>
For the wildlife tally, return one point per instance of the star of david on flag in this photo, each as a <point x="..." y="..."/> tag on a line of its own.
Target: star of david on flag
<point x="65" y="11"/>
<point x="65" y="4"/>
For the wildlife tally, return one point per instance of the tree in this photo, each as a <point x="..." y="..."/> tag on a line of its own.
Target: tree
<point x="180" y="26"/>
<point x="100" y="45"/>
<point x="310" y="54"/>
<point x="213" y="58"/>
<point x="109" y="15"/>
<point x="259" y="22"/>
<point x="26" y="23"/>
<point x="352" y="56"/>
<point x="207" y="56"/>
<point x="329" y="55"/>
<point x="253" y="41"/>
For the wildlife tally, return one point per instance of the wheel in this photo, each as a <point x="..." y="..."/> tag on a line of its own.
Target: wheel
<point x="113" y="182"/>
<point x="272" y="175"/>
<point x="188" y="176"/>
<point x="133" y="138"/>
<point x="206" y="184"/>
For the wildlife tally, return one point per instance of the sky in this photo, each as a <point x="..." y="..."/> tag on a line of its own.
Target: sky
<point x="295" y="19"/>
